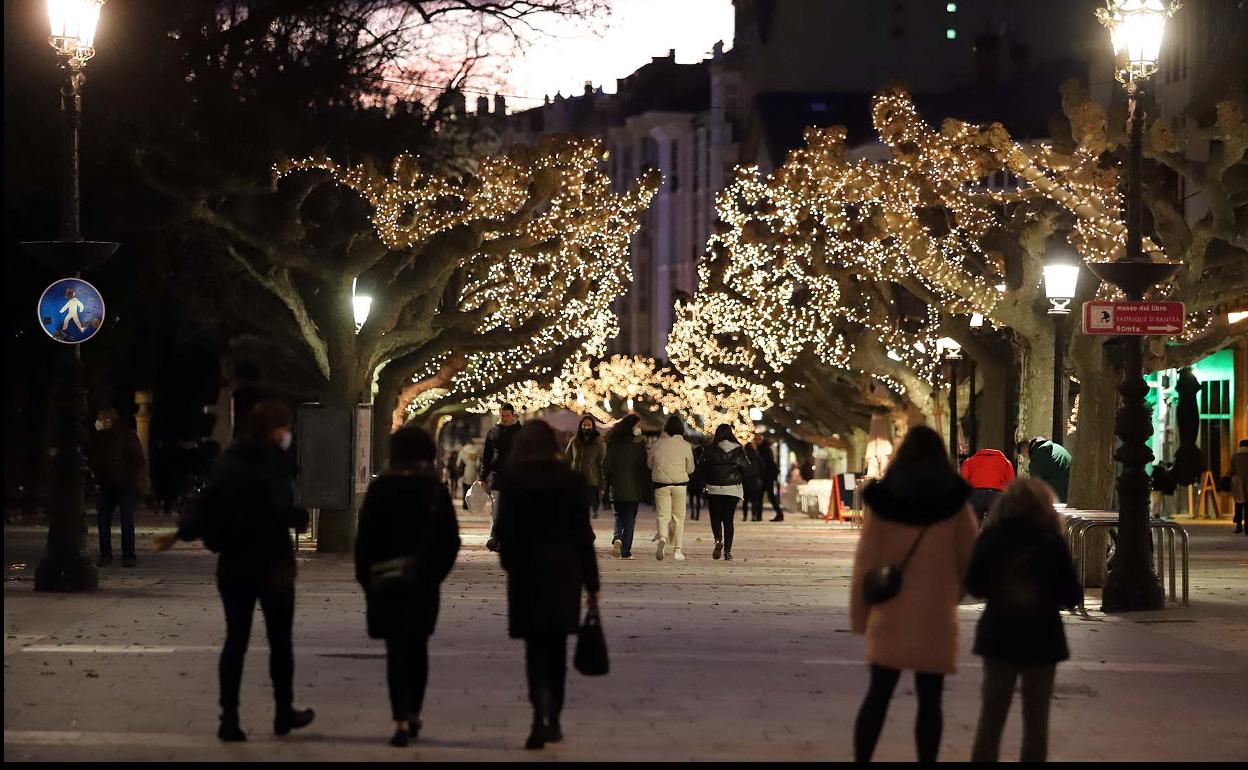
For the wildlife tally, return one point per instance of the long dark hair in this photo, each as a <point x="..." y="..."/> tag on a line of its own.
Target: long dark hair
<point x="622" y="431"/>
<point x="536" y="442"/>
<point x="724" y="433"/>
<point x="921" y="449"/>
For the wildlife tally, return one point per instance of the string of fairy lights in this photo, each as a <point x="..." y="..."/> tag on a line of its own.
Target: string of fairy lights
<point x="537" y="235"/>
<point x="791" y="269"/>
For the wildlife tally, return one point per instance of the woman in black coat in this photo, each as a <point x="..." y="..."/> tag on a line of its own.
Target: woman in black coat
<point x="723" y="467"/>
<point x="245" y="514"/>
<point x="546" y="545"/>
<point x="1022" y="566"/>
<point x="407" y="514"/>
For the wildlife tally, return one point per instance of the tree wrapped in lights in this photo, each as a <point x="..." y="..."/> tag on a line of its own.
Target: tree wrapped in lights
<point x="475" y="278"/>
<point x="623" y="383"/>
<point x="821" y="261"/>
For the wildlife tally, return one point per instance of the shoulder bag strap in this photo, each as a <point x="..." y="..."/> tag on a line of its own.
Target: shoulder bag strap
<point x="914" y="547"/>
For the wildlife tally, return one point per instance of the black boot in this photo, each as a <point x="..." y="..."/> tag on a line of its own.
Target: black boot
<point x="537" y="734"/>
<point x="291" y="718"/>
<point x="230" y="731"/>
<point x="541" y="709"/>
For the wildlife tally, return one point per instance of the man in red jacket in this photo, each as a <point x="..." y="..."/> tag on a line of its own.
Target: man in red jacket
<point x="988" y="472"/>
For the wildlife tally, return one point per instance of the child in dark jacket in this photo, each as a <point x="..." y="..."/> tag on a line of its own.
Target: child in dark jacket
<point x="1022" y="566"/>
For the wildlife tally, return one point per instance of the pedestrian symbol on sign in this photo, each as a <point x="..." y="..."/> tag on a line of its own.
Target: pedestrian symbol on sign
<point x="71" y="311"/>
<point x="1102" y="317"/>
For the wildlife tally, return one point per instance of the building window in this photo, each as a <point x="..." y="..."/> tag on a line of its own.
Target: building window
<point x="951" y="34"/>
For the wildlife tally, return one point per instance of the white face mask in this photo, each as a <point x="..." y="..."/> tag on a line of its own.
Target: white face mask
<point x="99" y="425"/>
<point x="636" y="430"/>
<point x="287" y="438"/>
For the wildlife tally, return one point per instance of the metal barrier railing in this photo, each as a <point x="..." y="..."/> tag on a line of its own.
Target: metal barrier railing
<point x="1079" y="523"/>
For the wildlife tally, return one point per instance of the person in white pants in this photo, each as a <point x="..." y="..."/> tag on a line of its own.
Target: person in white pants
<point x="671" y="462"/>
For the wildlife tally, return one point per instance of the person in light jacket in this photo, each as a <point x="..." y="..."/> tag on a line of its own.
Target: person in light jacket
<point x="920" y="503"/>
<point x="407" y="513"/>
<point x="671" y="462"/>
<point x="1022" y="566"/>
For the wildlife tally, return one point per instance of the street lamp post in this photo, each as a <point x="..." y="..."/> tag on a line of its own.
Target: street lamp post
<point x="65" y="566"/>
<point x="1136" y="31"/>
<point x="951" y="352"/>
<point x="1061" y="279"/>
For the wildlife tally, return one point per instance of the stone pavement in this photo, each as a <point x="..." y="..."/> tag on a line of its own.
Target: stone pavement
<point x="748" y="660"/>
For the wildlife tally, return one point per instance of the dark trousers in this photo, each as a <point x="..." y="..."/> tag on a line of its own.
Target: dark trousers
<point x="753" y="503"/>
<point x="927" y="727"/>
<point x="723" y="509"/>
<point x="1241" y="513"/>
<point x="592" y="500"/>
<point x="981" y="501"/>
<point x="695" y="505"/>
<point x="999" y="679"/>
<point x="546" y="667"/>
<point x="407" y="674"/>
<point x="773" y="497"/>
<point x="111" y="498"/>
<point x="625" y="523"/>
<point x="277" y="602"/>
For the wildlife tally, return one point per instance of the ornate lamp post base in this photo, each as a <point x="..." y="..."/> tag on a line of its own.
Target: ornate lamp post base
<point x="1131" y="584"/>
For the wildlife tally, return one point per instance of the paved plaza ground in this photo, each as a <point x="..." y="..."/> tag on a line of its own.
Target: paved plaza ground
<point x="747" y="660"/>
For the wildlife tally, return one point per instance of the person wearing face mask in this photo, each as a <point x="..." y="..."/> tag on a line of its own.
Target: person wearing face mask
<point x="626" y="479"/>
<point x="117" y="464"/>
<point x="585" y="454"/>
<point x="245" y="515"/>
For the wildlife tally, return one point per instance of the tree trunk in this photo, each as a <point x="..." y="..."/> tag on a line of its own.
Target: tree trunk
<point x="1035" y="402"/>
<point x="1093" y="468"/>
<point x="347" y="387"/>
<point x="993" y="396"/>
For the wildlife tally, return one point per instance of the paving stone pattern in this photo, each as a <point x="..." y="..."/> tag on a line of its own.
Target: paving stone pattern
<point x="747" y="660"/>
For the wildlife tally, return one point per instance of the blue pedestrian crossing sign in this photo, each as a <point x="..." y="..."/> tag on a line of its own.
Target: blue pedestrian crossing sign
<point x="71" y="311"/>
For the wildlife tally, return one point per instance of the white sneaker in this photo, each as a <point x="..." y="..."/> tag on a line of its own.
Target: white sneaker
<point x="658" y="552"/>
<point x="616" y="547"/>
<point x="679" y="555"/>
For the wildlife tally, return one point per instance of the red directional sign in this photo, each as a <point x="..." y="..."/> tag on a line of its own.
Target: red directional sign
<point x="1133" y="318"/>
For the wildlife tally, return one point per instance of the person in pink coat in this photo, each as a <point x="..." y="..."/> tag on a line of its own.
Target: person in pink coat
<point x="919" y="507"/>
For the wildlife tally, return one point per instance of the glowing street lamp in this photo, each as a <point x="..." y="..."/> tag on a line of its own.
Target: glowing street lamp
<point x="361" y="304"/>
<point x="73" y="25"/>
<point x="1136" y="30"/>
<point x="1061" y="281"/>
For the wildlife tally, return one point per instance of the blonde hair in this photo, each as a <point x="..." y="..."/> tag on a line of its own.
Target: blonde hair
<point x="1027" y="499"/>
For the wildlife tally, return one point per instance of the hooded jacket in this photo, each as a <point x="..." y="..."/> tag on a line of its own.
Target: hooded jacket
<point x="918" y="629"/>
<point x="988" y="469"/>
<point x="546" y="545"/>
<point x="1051" y="464"/>
<point x="585" y="454"/>
<point x="724" y="466"/>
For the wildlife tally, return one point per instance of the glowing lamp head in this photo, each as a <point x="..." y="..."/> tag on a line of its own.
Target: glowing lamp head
<point x="977" y="320"/>
<point x="1136" y="31"/>
<point x="756" y="414"/>
<point x="948" y="347"/>
<point x="1061" y="281"/>
<point x="72" y="24"/>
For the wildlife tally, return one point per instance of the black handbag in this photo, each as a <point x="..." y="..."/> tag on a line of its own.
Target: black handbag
<point x="591" y="646"/>
<point x="884" y="583"/>
<point x="394" y="578"/>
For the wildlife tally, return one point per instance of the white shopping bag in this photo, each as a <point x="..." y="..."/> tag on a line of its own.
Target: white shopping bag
<point x="478" y="500"/>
